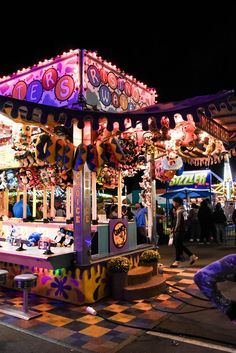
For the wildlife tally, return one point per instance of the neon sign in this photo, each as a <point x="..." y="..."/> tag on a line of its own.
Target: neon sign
<point x="195" y="179"/>
<point x="108" y="88"/>
<point x="55" y="85"/>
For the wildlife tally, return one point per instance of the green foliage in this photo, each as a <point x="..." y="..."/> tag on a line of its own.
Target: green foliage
<point x="118" y="264"/>
<point x="149" y="256"/>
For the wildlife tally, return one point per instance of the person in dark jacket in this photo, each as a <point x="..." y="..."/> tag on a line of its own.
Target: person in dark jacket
<point x="206" y="222"/>
<point x="234" y="222"/>
<point x="208" y="277"/>
<point x="130" y="214"/>
<point x="193" y="223"/>
<point x="234" y="217"/>
<point x="179" y="232"/>
<point x="219" y="220"/>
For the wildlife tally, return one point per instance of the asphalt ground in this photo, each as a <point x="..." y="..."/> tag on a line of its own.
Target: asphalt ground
<point x="207" y="331"/>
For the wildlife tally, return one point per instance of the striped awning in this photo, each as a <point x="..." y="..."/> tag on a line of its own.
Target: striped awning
<point x="214" y="113"/>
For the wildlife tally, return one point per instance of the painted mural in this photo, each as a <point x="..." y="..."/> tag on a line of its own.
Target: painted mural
<point x="108" y="88"/>
<point x="53" y="82"/>
<point x="75" y="285"/>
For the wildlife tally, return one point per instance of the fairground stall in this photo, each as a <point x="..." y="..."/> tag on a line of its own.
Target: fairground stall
<point x="55" y="163"/>
<point x="85" y="123"/>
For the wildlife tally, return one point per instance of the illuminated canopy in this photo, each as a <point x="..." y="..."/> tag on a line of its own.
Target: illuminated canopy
<point x="214" y="114"/>
<point x="220" y="109"/>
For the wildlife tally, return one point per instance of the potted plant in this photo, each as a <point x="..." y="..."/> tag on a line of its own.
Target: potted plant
<point x="118" y="268"/>
<point x="150" y="258"/>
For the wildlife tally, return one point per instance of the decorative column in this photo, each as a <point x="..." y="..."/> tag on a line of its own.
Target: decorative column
<point x="68" y="202"/>
<point x="154" y="213"/>
<point x="82" y="202"/>
<point x="5" y="202"/>
<point x="228" y="180"/>
<point x="94" y="197"/>
<point x="34" y="203"/>
<point x="45" y="209"/>
<point x="24" y="203"/>
<point x="119" y="194"/>
<point x="17" y="195"/>
<point x="152" y="201"/>
<point x="52" y="206"/>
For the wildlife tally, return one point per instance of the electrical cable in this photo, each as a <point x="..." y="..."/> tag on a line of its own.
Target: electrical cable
<point x="185" y="302"/>
<point x="178" y="312"/>
<point x="161" y="330"/>
<point x="186" y="292"/>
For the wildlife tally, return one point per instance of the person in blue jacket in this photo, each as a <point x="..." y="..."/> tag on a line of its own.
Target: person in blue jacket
<point x="207" y="279"/>
<point x="18" y="209"/>
<point x="140" y="219"/>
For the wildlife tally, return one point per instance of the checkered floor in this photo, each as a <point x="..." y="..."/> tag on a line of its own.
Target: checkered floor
<point x="73" y="326"/>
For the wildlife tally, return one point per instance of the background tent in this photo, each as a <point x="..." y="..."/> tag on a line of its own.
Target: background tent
<point x="186" y="193"/>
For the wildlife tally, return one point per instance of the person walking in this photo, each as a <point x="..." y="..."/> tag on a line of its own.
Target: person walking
<point x="179" y="232"/>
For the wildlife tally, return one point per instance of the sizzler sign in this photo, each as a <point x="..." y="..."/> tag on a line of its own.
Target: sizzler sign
<point x="193" y="179"/>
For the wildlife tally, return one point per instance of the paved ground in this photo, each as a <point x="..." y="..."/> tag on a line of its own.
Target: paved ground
<point x="122" y="326"/>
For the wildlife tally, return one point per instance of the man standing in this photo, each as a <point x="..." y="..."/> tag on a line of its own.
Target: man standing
<point x="140" y="218"/>
<point x="179" y="232"/>
<point x="18" y="209"/>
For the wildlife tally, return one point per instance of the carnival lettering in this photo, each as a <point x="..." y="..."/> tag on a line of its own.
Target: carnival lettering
<point x="189" y="179"/>
<point x="213" y="129"/>
<point x="112" y="92"/>
<point x="63" y="88"/>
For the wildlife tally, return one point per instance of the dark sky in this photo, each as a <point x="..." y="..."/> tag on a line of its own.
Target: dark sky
<point x="182" y="51"/>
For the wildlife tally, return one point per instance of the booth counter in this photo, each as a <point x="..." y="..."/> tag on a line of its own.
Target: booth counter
<point x="103" y="240"/>
<point x="34" y="255"/>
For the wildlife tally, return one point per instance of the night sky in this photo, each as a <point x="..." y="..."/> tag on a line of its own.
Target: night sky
<point x="182" y="50"/>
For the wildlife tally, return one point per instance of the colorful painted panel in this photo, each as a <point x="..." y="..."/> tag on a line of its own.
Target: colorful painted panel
<point x="78" y="285"/>
<point x="53" y="82"/>
<point x="108" y="88"/>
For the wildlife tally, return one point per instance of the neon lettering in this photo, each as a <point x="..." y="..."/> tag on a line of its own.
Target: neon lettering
<point x="33" y="92"/>
<point x="93" y="76"/>
<point x="64" y="88"/>
<point x="49" y="79"/>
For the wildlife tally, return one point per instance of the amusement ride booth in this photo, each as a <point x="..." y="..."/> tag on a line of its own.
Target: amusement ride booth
<point x="72" y="123"/>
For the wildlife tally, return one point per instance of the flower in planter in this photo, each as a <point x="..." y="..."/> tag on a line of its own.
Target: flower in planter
<point x="118" y="264"/>
<point x="148" y="257"/>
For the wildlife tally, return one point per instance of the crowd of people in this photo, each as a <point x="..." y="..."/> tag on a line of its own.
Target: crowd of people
<point x="202" y="223"/>
<point x="206" y="223"/>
